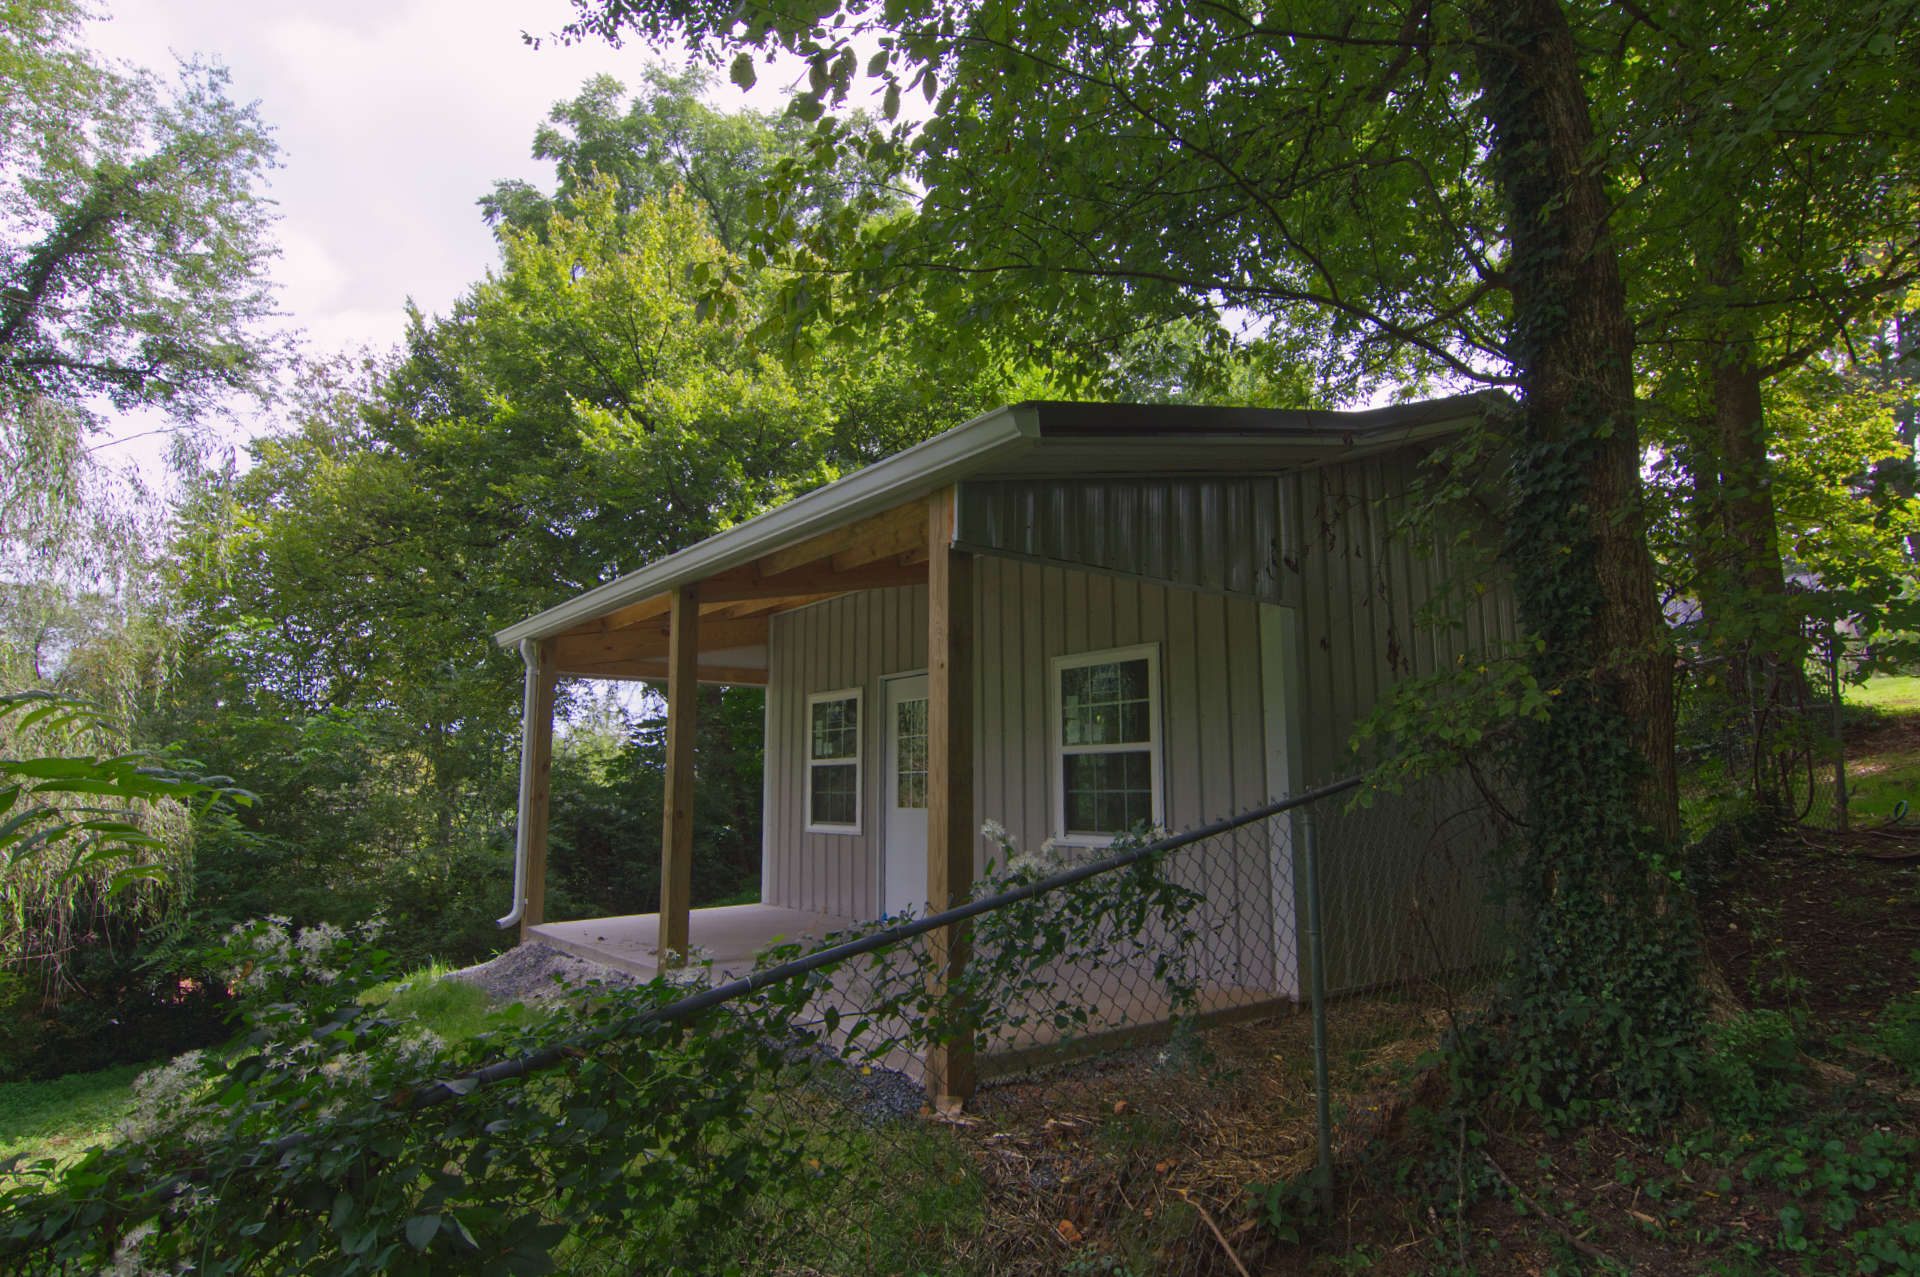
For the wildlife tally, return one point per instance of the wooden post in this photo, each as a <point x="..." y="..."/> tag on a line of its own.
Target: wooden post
<point x="537" y="741"/>
<point x="950" y="831"/>
<point x="676" y="822"/>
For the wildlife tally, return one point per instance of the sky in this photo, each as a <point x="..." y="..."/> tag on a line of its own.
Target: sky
<point x="393" y="117"/>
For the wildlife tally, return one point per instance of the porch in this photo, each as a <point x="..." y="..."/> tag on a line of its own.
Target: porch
<point x="733" y="934"/>
<point x="1114" y="1001"/>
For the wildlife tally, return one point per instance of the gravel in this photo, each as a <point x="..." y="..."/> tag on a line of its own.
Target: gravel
<point x="530" y="972"/>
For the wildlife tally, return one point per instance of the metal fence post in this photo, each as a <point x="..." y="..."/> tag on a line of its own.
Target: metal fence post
<point x="1839" y="726"/>
<point x="1317" y="984"/>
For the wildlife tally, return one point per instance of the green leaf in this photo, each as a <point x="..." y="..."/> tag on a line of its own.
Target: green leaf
<point x="742" y="72"/>
<point x="421" y="1230"/>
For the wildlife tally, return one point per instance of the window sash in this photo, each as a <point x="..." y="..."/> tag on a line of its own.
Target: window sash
<point x="833" y="728"/>
<point x="1106" y="737"/>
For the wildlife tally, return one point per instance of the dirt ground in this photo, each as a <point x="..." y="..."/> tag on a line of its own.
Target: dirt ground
<point x="1152" y="1161"/>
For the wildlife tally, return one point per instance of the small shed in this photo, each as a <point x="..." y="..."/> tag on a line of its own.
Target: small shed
<point x="1067" y="618"/>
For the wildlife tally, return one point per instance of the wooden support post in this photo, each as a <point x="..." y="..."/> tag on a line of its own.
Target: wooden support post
<point x="676" y="823"/>
<point x="537" y="741"/>
<point x="950" y="832"/>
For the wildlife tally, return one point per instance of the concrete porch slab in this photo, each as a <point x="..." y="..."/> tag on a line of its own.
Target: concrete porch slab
<point x="733" y="934"/>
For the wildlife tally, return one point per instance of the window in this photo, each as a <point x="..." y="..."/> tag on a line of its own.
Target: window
<point x="1106" y="738"/>
<point x="833" y="762"/>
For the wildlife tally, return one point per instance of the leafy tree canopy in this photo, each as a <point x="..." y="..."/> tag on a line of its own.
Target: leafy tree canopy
<point x="667" y="138"/>
<point x="134" y="245"/>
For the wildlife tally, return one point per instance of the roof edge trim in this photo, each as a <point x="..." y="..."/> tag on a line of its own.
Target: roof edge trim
<point x="998" y="435"/>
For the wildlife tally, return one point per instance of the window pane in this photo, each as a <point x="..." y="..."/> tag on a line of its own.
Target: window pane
<point x="910" y="754"/>
<point x="836" y="728"/>
<point x="831" y="796"/>
<point x="1107" y="793"/>
<point x="1105" y="704"/>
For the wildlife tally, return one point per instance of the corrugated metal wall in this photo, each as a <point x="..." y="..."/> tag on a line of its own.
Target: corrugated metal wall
<point x="1222" y="535"/>
<point x="1213" y="755"/>
<point x="1385" y="871"/>
<point x="852" y="641"/>
<point x="1320" y="542"/>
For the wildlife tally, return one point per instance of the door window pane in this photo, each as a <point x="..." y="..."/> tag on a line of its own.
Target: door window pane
<point x="910" y="754"/>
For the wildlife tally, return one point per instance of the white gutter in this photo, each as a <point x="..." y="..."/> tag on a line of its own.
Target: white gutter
<point x="530" y="654"/>
<point x="997" y="436"/>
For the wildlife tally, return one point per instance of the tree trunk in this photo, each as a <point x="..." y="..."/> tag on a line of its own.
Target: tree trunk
<point x="1758" y="620"/>
<point x="1580" y="448"/>
<point x="1603" y="984"/>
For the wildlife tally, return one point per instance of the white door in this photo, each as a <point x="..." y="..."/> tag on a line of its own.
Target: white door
<point x="903" y="872"/>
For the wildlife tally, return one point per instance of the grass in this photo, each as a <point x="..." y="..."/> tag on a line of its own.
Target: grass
<point x="1878" y="782"/>
<point x="1888" y="693"/>
<point x="66" y="1116"/>
<point x="453" y="1009"/>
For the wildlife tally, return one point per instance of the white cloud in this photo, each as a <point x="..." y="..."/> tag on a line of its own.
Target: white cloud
<point x="393" y="118"/>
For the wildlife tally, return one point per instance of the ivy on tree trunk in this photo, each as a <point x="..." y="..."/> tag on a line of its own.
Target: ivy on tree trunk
<point x="1602" y="993"/>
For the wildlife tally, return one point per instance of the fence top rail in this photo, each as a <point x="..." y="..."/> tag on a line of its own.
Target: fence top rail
<point x="719" y="994"/>
<point x="431" y="1094"/>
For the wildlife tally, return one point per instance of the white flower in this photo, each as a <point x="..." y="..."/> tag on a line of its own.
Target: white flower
<point x="685" y="977"/>
<point x="997" y="831"/>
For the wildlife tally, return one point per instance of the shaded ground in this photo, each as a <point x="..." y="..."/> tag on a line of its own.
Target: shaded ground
<point x="1160" y="1160"/>
<point x="1826" y="924"/>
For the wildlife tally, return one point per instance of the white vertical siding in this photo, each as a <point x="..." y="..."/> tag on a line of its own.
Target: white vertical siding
<point x="1026" y="614"/>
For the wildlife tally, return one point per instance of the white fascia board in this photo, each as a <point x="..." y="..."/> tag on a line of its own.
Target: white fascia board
<point x="994" y="438"/>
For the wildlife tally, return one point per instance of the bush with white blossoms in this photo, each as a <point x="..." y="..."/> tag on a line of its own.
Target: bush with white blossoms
<point x="311" y="1147"/>
<point x="268" y="962"/>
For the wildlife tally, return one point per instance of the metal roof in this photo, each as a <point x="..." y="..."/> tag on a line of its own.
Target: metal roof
<point x="1038" y="438"/>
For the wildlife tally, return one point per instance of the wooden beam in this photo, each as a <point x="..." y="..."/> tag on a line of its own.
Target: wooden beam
<point x="537" y="740"/>
<point x="815" y="578"/>
<point x="886" y="545"/>
<point x="651" y="641"/>
<point x="879" y="527"/>
<point x="950" y="830"/>
<point x="676" y="821"/>
<point x="621" y="618"/>
<point x="658" y="671"/>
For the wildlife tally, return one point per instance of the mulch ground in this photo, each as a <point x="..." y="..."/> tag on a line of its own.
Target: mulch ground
<point x="1823" y="923"/>
<point x="1149" y="1161"/>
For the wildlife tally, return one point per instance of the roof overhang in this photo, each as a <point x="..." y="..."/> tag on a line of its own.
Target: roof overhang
<point x="758" y="566"/>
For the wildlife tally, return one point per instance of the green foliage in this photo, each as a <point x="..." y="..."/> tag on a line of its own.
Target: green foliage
<point x="134" y="261"/>
<point x="1751" y="1068"/>
<point x="80" y="827"/>
<point x="665" y="139"/>
<point x="1897" y="1032"/>
<point x="634" y="1139"/>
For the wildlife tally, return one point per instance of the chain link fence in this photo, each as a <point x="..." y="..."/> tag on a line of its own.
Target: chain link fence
<point x="1157" y="1031"/>
<point x="1766" y="734"/>
<point x="1161" y="1034"/>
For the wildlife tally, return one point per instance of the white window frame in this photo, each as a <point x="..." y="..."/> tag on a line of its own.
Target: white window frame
<point x="859" y="766"/>
<point x="1059" y="749"/>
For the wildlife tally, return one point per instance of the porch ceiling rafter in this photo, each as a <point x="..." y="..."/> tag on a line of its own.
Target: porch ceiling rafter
<point x="651" y="641"/>
<point x="882" y="550"/>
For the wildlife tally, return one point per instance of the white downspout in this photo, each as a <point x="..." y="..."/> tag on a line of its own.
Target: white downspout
<point x="530" y="654"/>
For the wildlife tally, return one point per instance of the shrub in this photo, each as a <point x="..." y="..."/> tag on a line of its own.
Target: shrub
<point x="1751" y="1070"/>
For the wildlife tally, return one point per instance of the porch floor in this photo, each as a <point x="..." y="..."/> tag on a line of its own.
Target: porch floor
<point x="733" y="934"/>
<point x="1118" y="1006"/>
